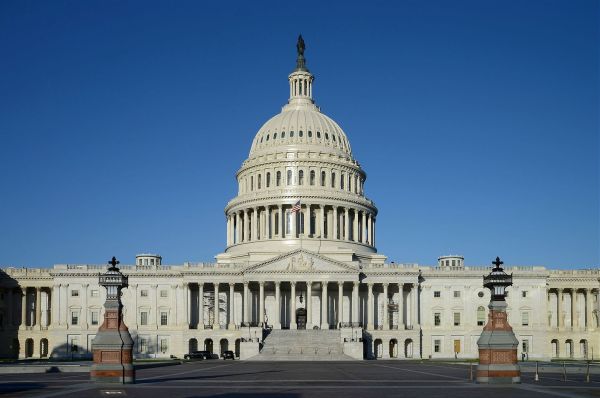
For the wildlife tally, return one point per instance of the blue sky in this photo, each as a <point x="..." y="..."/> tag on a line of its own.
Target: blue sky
<point x="122" y="124"/>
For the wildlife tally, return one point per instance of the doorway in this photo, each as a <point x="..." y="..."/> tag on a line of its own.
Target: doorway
<point x="301" y="318"/>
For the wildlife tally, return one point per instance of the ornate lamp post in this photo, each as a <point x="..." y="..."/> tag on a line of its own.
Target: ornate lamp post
<point x="112" y="347"/>
<point x="497" y="343"/>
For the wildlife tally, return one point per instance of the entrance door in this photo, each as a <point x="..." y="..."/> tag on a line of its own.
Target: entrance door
<point x="456" y="347"/>
<point x="301" y="318"/>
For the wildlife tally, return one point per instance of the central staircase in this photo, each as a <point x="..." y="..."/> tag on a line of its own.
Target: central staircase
<point x="302" y="345"/>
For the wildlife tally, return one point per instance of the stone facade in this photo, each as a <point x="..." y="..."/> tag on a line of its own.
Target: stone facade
<point x="300" y="252"/>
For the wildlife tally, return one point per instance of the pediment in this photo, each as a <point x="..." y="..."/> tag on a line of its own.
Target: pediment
<point x="301" y="262"/>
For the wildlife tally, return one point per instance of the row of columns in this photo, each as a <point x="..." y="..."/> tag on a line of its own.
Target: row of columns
<point x="560" y="317"/>
<point x="30" y="316"/>
<point x="260" y="223"/>
<point x="411" y="305"/>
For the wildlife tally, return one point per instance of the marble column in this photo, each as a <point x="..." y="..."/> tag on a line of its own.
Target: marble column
<point x="401" y="324"/>
<point x="370" y="307"/>
<point x="324" y="306"/>
<point x="200" y="305"/>
<point x="261" y="309"/>
<point x="335" y="222"/>
<point x="228" y="230"/>
<point x="373" y="232"/>
<point x="277" y="320"/>
<point x="346" y="223"/>
<point x="293" y="227"/>
<point x="306" y="224"/>
<point x="281" y="222"/>
<point x="588" y="309"/>
<point x="84" y="305"/>
<point x="386" y="322"/>
<point x="340" y="310"/>
<point x="293" y="324"/>
<point x="363" y="228"/>
<point x="38" y="308"/>
<point x="187" y="304"/>
<point x="269" y="233"/>
<point x="254" y="235"/>
<point x="245" y="300"/>
<point x="354" y="302"/>
<point x="355" y="237"/>
<point x="409" y="307"/>
<point x="309" y="318"/>
<point x="156" y="314"/>
<point x="173" y="303"/>
<point x="246" y="225"/>
<point x="559" y="315"/>
<point x="231" y="325"/>
<point x="574" y="309"/>
<point x="369" y="228"/>
<point x="24" y="307"/>
<point x="322" y="222"/>
<point x="414" y="302"/>
<point x="65" y="304"/>
<point x="216" y="309"/>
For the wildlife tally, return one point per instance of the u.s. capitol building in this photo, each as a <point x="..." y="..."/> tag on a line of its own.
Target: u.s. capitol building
<point x="300" y="276"/>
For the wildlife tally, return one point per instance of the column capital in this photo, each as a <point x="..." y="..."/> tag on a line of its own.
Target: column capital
<point x="340" y="283"/>
<point x="231" y="284"/>
<point x="370" y="285"/>
<point x="200" y="284"/>
<point x="246" y="283"/>
<point x="355" y="283"/>
<point x="185" y="284"/>
<point x="293" y="283"/>
<point x="261" y="283"/>
<point x="385" y="284"/>
<point x="174" y="286"/>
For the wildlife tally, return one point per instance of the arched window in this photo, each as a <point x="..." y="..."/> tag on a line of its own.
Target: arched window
<point x="277" y="223"/>
<point x="480" y="316"/>
<point x="312" y="177"/>
<point x="309" y="134"/>
<point x="323" y="178"/>
<point x="275" y="136"/>
<point x="268" y="180"/>
<point x="267" y="137"/>
<point x="327" y="136"/>
<point x="278" y="178"/>
<point x="332" y="180"/>
<point x="289" y="177"/>
<point x="342" y="181"/>
<point x="301" y="177"/>
<point x="283" y="134"/>
<point x="300" y="133"/>
<point x="349" y="181"/>
<point x="259" y="181"/>
<point x="318" y="134"/>
<point x="355" y="184"/>
<point x="291" y="134"/>
<point x="252" y="183"/>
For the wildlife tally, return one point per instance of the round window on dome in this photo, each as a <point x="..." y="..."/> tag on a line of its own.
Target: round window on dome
<point x="309" y="134"/>
<point x="332" y="137"/>
<point x="300" y="133"/>
<point x="291" y="134"/>
<point x="318" y="134"/>
<point x="326" y="136"/>
<point x="480" y="294"/>
<point x="267" y="137"/>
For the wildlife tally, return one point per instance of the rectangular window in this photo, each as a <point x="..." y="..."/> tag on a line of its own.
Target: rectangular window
<point x="437" y="345"/>
<point x="457" y="319"/>
<point x="457" y="294"/>
<point x="143" y="293"/>
<point x="143" y="318"/>
<point x="437" y="319"/>
<point x="74" y="345"/>
<point x="94" y="317"/>
<point x="525" y="318"/>
<point x="164" y="345"/>
<point x="143" y="346"/>
<point x="437" y="293"/>
<point x="74" y="293"/>
<point x="524" y="293"/>
<point x="525" y="345"/>
<point x="95" y="293"/>
<point x="163" y="319"/>
<point x="74" y="318"/>
<point x="163" y="293"/>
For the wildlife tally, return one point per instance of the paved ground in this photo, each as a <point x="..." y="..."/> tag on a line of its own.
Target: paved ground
<point x="297" y="379"/>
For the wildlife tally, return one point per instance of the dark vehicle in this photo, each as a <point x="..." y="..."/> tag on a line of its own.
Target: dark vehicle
<point x="199" y="355"/>
<point x="228" y="355"/>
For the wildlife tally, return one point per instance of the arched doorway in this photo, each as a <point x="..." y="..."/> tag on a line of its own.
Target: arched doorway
<point x="43" y="348"/>
<point x="408" y="348"/>
<point x="301" y="318"/>
<point x="555" y="348"/>
<point x="378" y="348"/>
<point x="393" y="348"/>
<point x="208" y="345"/>
<point x="28" y="348"/>
<point x="569" y="348"/>
<point x="224" y="346"/>
<point x="193" y="345"/>
<point x="237" y="348"/>
<point x="583" y="348"/>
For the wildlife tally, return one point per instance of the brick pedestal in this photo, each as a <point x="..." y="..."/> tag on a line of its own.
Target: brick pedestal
<point x="498" y="349"/>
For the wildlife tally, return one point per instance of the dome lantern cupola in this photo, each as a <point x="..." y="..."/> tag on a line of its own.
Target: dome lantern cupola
<point x="301" y="80"/>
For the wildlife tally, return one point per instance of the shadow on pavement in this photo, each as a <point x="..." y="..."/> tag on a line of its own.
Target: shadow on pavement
<point x="201" y="377"/>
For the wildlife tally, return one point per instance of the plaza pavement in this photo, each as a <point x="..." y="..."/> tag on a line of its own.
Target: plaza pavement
<point x="346" y="379"/>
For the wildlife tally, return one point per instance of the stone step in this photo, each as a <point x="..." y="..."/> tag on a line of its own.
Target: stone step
<point x="302" y="345"/>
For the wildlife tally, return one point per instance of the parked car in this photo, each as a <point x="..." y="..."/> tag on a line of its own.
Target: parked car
<point x="198" y="355"/>
<point x="228" y="355"/>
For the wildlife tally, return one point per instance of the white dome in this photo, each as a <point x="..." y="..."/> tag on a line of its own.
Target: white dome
<point x="301" y="125"/>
